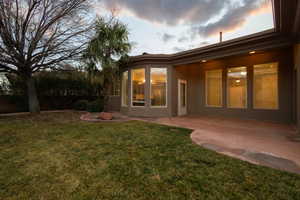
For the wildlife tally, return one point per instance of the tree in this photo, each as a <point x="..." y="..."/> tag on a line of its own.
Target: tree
<point x="109" y="45"/>
<point x="38" y="34"/>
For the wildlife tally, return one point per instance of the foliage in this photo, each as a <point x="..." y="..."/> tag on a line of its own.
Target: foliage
<point x="4" y="85"/>
<point x="96" y="106"/>
<point x="109" y="45"/>
<point x="110" y="41"/>
<point x="2" y="89"/>
<point x="130" y="160"/>
<point x="20" y="102"/>
<point x="58" y="83"/>
<point x="81" y="105"/>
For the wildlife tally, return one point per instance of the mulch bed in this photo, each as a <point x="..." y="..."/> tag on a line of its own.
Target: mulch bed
<point x="94" y="117"/>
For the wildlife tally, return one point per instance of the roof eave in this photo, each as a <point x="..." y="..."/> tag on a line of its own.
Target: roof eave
<point x="261" y="42"/>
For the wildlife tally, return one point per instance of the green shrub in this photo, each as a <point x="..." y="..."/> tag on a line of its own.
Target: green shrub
<point x="21" y="102"/>
<point x="81" y="105"/>
<point x="58" y="83"/>
<point x="95" y="106"/>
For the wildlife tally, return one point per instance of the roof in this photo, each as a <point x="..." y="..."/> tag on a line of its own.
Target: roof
<point x="285" y="33"/>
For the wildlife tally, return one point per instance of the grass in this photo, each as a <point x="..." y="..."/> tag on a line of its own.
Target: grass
<point x="55" y="156"/>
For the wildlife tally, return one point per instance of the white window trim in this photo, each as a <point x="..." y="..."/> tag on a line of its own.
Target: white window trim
<point x="166" y="106"/>
<point x="246" y="106"/>
<point x="131" y="85"/>
<point x="278" y="91"/>
<point x="222" y="103"/>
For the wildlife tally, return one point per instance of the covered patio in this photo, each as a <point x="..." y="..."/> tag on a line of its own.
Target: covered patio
<point x="266" y="143"/>
<point x="258" y="86"/>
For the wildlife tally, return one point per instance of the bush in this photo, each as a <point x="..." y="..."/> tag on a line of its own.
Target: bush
<point x="21" y="102"/>
<point x="58" y="83"/>
<point x="81" y="105"/>
<point x="95" y="106"/>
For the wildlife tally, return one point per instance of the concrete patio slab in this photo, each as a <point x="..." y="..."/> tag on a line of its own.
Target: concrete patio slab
<point x="264" y="143"/>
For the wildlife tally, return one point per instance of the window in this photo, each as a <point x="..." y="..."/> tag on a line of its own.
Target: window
<point x="158" y="86"/>
<point x="213" y="80"/>
<point x="237" y="87"/>
<point x="265" y="86"/>
<point x="138" y="87"/>
<point x="125" y="88"/>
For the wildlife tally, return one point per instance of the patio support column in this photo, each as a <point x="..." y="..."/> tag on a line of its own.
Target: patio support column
<point x="129" y="90"/>
<point x="297" y="65"/>
<point x="296" y="35"/>
<point x="147" y="88"/>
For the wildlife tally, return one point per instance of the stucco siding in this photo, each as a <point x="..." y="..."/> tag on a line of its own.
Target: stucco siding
<point x="195" y="74"/>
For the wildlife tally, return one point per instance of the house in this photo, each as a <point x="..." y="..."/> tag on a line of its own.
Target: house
<point x="252" y="77"/>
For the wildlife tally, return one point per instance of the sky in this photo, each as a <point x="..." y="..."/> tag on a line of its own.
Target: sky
<point x="170" y="26"/>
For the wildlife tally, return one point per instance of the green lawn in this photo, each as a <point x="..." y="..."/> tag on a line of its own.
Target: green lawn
<point x="55" y="156"/>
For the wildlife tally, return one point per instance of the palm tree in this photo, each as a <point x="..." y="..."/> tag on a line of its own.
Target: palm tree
<point x="109" y="45"/>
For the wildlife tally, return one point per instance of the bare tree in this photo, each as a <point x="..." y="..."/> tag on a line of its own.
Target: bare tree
<point x="38" y="34"/>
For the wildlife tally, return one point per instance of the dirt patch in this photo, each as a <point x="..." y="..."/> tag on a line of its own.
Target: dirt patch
<point x="94" y="117"/>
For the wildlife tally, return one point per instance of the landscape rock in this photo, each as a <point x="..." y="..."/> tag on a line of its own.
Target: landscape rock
<point x="105" y="116"/>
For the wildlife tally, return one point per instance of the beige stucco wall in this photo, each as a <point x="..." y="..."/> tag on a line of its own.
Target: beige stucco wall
<point x="297" y="66"/>
<point x="195" y="75"/>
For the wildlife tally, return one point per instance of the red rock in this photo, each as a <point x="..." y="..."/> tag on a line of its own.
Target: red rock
<point x="105" y="116"/>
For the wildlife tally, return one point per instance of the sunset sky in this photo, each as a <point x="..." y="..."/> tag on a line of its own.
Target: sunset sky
<point x="169" y="26"/>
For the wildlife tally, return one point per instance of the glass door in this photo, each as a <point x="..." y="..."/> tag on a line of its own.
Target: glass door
<point x="182" y="97"/>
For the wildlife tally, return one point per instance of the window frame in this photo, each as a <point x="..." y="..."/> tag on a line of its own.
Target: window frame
<point x="222" y="92"/>
<point x="123" y="104"/>
<point x="277" y="85"/>
<point x="166" y="87"/>
<point x="227" y="93"/>
<point x="131" y="85"/>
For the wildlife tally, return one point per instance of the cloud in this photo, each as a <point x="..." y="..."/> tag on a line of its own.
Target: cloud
<point x="207" y="17"/>
<point x="134" y="44"/>
<point x="234" y="18"/>
<point x="201" y="44"/>
<point x="204" y="43"/>
<point x="167" y="37"/>
<point x="178" y="49"/>
<point x="183" y="39"/>
<point x="170" y="12"/>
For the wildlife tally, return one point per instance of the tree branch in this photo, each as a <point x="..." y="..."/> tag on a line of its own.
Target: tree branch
<point x="37" y="34"/>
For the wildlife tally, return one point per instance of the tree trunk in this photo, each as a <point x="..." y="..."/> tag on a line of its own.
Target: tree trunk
<point x="33" y="102"/>
<point x="106" y="94"/>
